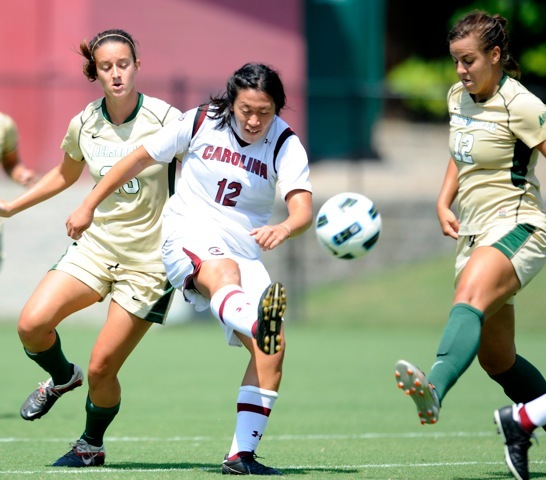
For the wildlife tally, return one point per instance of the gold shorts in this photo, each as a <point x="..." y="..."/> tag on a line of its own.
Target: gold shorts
<point x="147" y="295"/>
<point x="523" y="244"/>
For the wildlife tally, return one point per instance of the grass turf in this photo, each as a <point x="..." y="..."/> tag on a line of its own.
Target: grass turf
<point x="339" y="414"/>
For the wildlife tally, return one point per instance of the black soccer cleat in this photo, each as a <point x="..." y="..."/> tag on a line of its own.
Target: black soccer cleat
<point x="40" y="401"/>
<point x="246" y="464"/>
<point x="517" y="442"/>
<point x="81" y="454"/>
<point x="270" y="317"/>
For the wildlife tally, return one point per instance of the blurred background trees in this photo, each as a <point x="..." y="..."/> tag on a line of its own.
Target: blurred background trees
<point x="371" y="59"/>
<point x="419" y="69"/>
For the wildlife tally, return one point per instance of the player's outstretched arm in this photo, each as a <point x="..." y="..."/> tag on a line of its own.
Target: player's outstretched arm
<point x="300" y="218"/>
<point x="53" y="182"/>
<point x="300" y="211"/>
<point x="123" y="171"/>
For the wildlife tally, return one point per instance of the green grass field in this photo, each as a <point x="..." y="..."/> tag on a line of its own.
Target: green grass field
<point x="339" y="413"/>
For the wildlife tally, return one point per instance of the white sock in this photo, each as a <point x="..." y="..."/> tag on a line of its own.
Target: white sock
<point x="253" y="408"/>
<point x="536" y="410"/>
<point x="232" y="306"/>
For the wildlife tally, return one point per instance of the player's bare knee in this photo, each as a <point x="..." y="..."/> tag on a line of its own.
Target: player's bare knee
<point x="224" y="272"/>
<point x="31" y="329"/>
<point x="228" y="272"/>
<point x="99" y="372"/>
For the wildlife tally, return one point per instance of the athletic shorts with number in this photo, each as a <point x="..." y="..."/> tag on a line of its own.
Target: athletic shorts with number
<point x="185" y="249"/>
<point x="523" y="244"/>
<point x="146" y="295"/>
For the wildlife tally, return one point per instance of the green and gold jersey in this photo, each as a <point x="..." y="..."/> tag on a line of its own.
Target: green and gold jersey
<point x="492" y="143"/>
<point x="126" y="229"/>
<point x="8" y="135"/>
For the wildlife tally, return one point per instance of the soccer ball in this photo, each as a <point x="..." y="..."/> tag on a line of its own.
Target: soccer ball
<point x="348" y="225"/>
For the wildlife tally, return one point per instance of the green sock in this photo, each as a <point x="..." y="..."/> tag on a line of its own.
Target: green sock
<point x="98" y="420"/>
<point x="522" y="382"/>
<point x="458" y="347"/>
<point x="54" y="362"/>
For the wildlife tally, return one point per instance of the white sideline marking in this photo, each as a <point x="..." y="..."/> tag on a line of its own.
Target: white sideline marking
<point x="106" y="470"/>
<point x="101" y="470"/>
<point x="362" y="436"/>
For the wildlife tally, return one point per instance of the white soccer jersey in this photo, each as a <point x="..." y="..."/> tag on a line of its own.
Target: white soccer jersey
<point x="126" y="228"/>
<point x="492" y="143"/>
<point x="227" y="183"/>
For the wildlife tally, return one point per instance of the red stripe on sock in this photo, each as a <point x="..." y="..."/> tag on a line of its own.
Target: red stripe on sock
<point x="222" y="305"/>
<point x="241" y="455"/>
<point x="525" y="421"/>
<point x="249" y="407"/>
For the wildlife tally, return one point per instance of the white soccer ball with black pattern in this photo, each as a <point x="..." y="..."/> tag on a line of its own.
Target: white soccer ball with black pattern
<point x="348" y="225"/>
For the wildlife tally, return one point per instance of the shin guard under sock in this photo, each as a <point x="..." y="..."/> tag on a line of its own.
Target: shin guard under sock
<point x="54" y="362"/>
<point x="254" y="406"/>
<point x="97" y="421"/>
<point x="232" y="306"/>
<point x="458" y="347"/>
<point x="522" y="382"/>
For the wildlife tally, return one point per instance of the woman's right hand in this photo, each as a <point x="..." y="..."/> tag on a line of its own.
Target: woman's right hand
<point x="78" y="222"/>
<point x="449" y="222"/>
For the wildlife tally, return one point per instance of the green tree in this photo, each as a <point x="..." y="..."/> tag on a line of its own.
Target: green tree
<point x="422" y="83"/>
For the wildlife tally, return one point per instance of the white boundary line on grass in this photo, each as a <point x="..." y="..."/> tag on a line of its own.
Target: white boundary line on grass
<point x="106" y="470"/>
<point x="361" y="436"/>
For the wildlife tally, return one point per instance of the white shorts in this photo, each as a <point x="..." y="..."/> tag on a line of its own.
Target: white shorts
<point x="147" y="295"/>
<point x="185" y="250"/>
<point x="524" y="245"/>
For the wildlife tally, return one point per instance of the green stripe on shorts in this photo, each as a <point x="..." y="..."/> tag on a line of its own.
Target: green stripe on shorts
<point x="514" y="240"/>
<point x="159" y="311"/>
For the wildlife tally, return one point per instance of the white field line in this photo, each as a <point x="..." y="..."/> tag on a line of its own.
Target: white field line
<point x="364" y="436"/>
<point x="361" y="436"/>
<point x="105" y="470"/>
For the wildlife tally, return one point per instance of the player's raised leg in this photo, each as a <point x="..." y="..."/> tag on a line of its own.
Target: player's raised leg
<point x="414" y="383"/>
